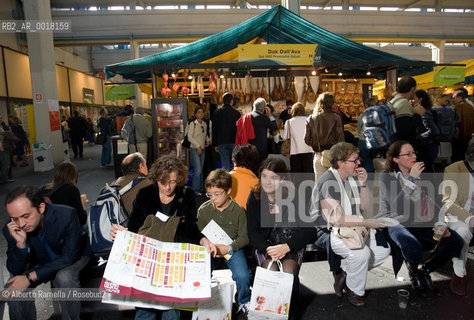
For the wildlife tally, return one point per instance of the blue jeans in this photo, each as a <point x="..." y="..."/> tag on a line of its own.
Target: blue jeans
<point x="411" y="241"/>
<point x="225" y="152"/>
<point x="364" y="154"/>
<point x="240" y="274"/>
<point x="106" y="151"/>
<point x="150" y="314"/>
<point x="198" y="163"/>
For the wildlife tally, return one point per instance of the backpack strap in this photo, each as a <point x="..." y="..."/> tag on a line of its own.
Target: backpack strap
<point x="130" y="185"/>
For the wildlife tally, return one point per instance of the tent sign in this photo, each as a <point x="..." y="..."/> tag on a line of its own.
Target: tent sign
<point x="445" y="76"/>
<point x="278" y="54"/>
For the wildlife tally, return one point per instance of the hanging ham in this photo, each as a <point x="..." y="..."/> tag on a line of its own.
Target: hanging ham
<point x="282" y="91"/>
<point x="221" y="92"/>
<point x="275" y="93"/>
<point x="310" y="94"/>
<point x="264" y="92"/>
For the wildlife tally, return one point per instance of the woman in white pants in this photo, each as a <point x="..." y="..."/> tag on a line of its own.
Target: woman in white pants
<point x="342" y="198"/>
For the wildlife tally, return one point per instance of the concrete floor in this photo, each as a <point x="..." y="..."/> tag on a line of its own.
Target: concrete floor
<point x="317" y="298"/>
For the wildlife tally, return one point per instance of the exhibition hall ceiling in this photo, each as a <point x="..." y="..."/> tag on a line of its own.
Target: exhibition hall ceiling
<point x="403" y="4"/>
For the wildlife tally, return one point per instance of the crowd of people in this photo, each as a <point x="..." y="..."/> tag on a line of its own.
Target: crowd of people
<point x="255" y="198"/>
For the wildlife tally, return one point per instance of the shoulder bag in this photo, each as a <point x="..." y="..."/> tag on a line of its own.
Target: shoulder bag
<point x="185" y="142"/>
<point x="286" y="146"/>
<point x="353" y="237"/>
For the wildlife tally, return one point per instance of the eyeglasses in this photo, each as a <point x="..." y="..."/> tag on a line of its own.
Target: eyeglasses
<point x="202" y="129"/>
<point x="359" y="159"/>
<point x="215" y="194"/>
<point x="409" y="154"/>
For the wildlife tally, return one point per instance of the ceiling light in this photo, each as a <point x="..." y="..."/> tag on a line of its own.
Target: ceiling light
<point x="222" y="76"/>
<point x="313" y="72"/>
<point x="340" y="74"/>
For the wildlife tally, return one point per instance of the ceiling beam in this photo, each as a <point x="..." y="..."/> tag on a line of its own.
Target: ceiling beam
<point x="411" y="4"/>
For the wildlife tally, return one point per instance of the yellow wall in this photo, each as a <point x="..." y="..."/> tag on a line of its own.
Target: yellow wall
<point x="79" y="80"/>
<point x="3" y="88"/>
<point x="18" y="74"/>
<point x="61" y="80"/>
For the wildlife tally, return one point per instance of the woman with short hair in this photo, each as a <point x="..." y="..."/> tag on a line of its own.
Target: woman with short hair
<point x="342" y="198"/>
<point x="167" y="195"/>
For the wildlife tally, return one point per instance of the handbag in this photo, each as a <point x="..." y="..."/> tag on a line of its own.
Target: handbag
<point x="157" y="229"/>
<point x="353" y="237"/>
<point x="325" y="159"/>
<point x="286" y="146"/>
<point x="271" y="293"/>
<point x="185" y="142"/>
<point x="160" y="230"/>
<point x="100" y="139"/>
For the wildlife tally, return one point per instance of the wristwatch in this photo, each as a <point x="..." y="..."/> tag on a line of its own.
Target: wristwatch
<point x="231" y="252"/>
<point x="29" y="278"/>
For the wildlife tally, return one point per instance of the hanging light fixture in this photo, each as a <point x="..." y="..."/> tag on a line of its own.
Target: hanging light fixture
<point x="313" y="72"/>
<point x="369" y="73"/>
<point x="340" y="74"/>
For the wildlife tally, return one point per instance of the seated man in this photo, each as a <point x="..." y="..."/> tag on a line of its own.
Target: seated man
<point x="44" y="243"/>
<point x="232" y="219"/>
<point x="134" y="170"/>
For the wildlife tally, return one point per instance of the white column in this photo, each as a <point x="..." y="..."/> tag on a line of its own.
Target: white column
<point x="43" y="77"/>
<point x="437" y="51"/>
<point x="134" y="54"/>
<point x="292" y="5"/>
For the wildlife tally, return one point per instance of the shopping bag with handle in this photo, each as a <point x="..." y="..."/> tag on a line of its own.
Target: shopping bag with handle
<point x="271" y="293"/>
<point x="219" y="307"/>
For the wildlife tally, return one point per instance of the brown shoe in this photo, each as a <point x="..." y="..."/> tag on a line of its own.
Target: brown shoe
<point x="458" y="285"/>
<point x="356" y="300"/>
<point x="339" y="283"/>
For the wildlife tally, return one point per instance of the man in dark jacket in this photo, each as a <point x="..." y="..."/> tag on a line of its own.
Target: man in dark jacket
<point x="224" y="130"/>
<point x="44" y="243"/>
<point x="78" y="127"/>
<point x="262" y="121"/>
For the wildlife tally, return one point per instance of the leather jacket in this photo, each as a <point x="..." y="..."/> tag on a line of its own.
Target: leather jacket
<point x="323" y="130"/>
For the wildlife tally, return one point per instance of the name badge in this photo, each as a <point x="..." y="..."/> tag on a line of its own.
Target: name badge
<point x="163" y="217"/>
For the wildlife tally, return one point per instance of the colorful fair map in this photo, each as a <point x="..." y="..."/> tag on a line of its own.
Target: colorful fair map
<point x="165" y="271"/>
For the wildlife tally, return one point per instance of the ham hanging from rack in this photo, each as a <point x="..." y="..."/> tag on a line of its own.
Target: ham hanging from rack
<point x="282" y="91"/>
<point x="247" y="94"/>
<point x="288" y="90"/>
<point x="238" y="92"/>
<point x="232" y="91"/>
<point x="310" y="94"/>
<point x="275" y="93"/>
<point x="200" y="90"/>
<point x="221" y="92"/>
<point x="295" y="94"/>
<point x="264" y="92"/>
<point x="193" y="85"/>
<point x="305" y="93"/>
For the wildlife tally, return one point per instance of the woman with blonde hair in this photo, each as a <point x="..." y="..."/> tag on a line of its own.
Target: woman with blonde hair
<point x="323" y="130"/>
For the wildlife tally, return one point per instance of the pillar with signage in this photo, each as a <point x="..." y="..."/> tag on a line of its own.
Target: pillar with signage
<point x="43" y="82"/>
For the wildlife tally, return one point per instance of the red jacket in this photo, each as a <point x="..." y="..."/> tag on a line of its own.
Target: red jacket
<point x="244" y="130"/>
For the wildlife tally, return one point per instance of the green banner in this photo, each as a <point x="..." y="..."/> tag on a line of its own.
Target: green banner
<point x="121" y="92"/>
<point x="446" y="76"/>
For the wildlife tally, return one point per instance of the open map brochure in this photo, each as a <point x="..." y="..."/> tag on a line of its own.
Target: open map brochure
<point x="165" y="271"/>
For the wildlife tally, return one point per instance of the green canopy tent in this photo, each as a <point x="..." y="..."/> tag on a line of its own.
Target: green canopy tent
<point x="275" y="26"/>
